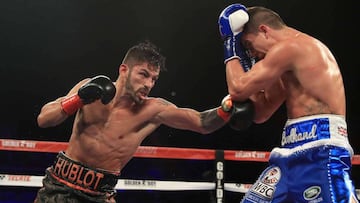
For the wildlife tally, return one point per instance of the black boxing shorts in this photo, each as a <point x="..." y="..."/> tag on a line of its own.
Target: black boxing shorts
<point x="70" y="181"/>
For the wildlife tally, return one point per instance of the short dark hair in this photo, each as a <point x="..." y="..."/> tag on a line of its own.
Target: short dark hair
<point x="261" y="15"/>
<point x="145" y="52"/>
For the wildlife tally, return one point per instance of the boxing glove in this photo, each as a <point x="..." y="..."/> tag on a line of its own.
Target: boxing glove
<point x="231" y="23"/>
<point x="242" y="115"/>
<point x="99" y="87"/>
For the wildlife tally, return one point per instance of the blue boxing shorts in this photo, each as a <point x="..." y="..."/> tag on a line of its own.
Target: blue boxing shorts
<point x="312" y="165"/>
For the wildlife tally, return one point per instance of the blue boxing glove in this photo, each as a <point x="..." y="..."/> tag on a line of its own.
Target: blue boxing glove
<point x="231" y="24"/>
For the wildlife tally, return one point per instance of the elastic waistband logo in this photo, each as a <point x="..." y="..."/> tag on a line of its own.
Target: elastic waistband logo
<point x="77" y="174"/>
<point x="295" y="136"/>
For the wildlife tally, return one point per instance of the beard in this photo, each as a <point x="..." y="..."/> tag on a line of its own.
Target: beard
<point x="130" y="90"/>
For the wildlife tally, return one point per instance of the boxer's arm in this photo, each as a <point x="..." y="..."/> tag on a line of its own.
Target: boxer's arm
<point x="206" y="121"/>
<point x="52" y="113"/>
<point x="85" y="92"/>
<point x="266" y="102"/>
<point x="259" y="85"/>
<point x="189" y="119"/>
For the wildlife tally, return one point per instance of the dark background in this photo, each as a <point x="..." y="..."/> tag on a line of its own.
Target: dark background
<point x="47" y="46"/>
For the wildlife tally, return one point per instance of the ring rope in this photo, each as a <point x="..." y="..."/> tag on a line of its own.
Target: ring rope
<point x="129" y="184"/>
<point x="149" y="151"/>
<point x="142" y="152"/>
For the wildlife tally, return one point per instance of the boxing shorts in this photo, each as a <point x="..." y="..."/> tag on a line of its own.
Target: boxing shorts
<point x="312" y="165"/>
<point x="71" y="181"/>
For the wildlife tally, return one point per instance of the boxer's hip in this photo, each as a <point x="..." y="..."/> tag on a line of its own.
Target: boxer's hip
<point x="313" y="131"/>
<point x="81" y="177"/>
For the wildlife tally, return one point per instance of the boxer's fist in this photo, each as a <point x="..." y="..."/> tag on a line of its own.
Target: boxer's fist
<point x="242" y="115"/>
<point x="231" y="24"/>
<point x="99" y="87"/>
<point x="232" y="20"/>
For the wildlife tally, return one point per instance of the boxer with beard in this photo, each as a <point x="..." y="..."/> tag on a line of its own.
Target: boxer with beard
<point x="112" y="119"/>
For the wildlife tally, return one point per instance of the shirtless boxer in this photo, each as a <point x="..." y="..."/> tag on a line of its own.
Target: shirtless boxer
<point x="112" y="119"/>
<point x="314" y="160"/>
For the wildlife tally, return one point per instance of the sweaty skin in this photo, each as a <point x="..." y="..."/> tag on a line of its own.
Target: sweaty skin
<point x="107" y="136"/>
<point x="293" y="67"/>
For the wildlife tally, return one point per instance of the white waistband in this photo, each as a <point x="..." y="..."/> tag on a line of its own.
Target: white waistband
<point x="318" y="143"/>
<point x="312" y="131"/>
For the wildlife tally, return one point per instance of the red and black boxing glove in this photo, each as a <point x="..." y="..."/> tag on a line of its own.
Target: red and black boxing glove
<point x="99" y="87"/>
<point x="239" y="114"/>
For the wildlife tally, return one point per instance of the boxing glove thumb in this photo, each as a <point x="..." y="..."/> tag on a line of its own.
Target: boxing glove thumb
<point x="224" y="111"/>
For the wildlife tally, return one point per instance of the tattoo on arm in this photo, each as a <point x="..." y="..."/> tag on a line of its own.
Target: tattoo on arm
<point x="164" y="102"/>
<point x="210" y="120"/>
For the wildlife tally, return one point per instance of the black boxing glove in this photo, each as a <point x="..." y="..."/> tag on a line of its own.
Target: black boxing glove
<point x="242" y="115"/>
<point x="99" y="87"/>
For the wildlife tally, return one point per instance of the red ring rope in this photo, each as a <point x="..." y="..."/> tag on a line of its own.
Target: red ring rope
<point x="148" y="151"/>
